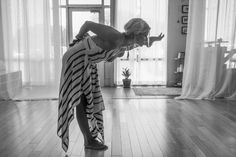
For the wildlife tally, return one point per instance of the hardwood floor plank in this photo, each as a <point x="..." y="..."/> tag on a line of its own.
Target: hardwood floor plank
<point x="191" y="124"/>
<point x="116" y="149"/>
<point x="220" y="131"/>
<point x="175" y="145"/>
<point x="108" y="126"/>
<point x="193" y="147"/>
<point x="125" y="138"/>
<point x="196" y="131"/>
<point x="134" y="140"/>
<point x="34" y="154"/>
<point x="56" y="150"/>
<point x="77" y="148"/>
<point x="134" y="127"/>
<point x="136" y="117"/>
<point x="14" y="122"/>
<point x="160" y="126"/>
<point x="20" y="139"/>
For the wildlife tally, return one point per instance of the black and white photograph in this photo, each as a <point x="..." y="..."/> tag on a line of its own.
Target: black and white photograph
<point x="185" y="9"/>
<point x="184" y="19"/>
<point x="184" y="29"/>
<point x="117" y="78"/>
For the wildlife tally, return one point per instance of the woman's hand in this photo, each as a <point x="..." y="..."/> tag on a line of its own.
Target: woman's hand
<point x="79" y="37"/>
<point x="160" y="37"/>
<point x="152" y="39"/>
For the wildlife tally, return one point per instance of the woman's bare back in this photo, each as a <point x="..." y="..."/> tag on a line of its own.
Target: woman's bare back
<point x="105" y="44"/>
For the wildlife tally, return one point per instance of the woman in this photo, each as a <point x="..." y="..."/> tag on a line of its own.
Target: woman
<point x="79" y="84"/>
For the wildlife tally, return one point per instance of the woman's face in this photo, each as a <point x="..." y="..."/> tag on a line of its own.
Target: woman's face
<point x="140" y="39"/>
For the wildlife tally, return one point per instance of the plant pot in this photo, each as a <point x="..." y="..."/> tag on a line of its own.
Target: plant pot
<point x="126" y="83"/>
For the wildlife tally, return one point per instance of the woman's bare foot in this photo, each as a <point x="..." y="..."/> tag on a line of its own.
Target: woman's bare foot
<point x="95" y="145"/>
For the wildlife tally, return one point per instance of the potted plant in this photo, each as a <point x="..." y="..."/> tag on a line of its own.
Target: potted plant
<point x="126" y="81"/>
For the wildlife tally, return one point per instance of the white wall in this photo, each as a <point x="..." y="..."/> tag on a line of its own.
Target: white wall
<point x="176" y="41"/>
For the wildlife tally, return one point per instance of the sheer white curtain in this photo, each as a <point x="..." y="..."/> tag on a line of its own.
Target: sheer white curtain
<point x="210" y="63"/>
<point x="154" y="12"/>
<point x="31" y="40"/>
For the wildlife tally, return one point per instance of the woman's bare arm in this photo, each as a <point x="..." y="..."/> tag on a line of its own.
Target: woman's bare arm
<point x="104" y="32"/>
<point x="152" y="39"/>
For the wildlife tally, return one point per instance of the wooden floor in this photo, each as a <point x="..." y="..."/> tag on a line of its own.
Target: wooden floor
<point x="134" y="127"/>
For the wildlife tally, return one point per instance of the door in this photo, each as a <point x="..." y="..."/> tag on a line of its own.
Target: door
<point x="77" y="17"/>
